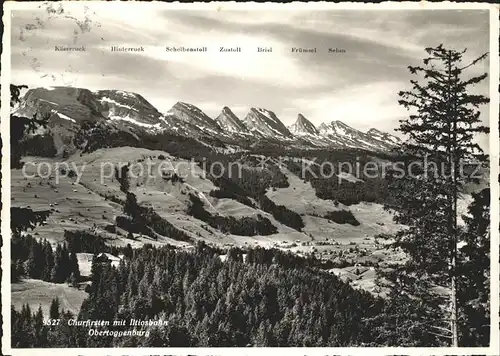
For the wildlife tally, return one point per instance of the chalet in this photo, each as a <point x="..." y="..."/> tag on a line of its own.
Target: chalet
<point x="107" y="257"/>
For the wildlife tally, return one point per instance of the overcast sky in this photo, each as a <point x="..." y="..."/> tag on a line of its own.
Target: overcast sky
<point x="358" y="87"/>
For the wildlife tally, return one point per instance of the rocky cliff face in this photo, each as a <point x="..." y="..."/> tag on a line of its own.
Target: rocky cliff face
<point x="384" y="136"/>
<point x="264" y="122"/>
<point x="193" y="115"/>
<point x="128" y="107"/>
<point x="74" y="103"/>
<point x="343" y="135"/>
<point x="303" y="127"/>
<point x="229" y="122"/>
<point x="77" y="105"/>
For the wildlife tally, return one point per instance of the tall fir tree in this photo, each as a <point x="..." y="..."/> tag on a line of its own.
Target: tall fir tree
<point x="474" y="269"/>
<point x="122" y="177"/>
<point x="440" y="131"/>
<point x="54" y="308"/>
<point x="24" y="219"/>
<point x="49" y="260"/>
<point x="74" y="267"/>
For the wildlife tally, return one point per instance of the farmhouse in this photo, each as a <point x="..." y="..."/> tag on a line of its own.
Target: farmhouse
<point x="107" y="257"/>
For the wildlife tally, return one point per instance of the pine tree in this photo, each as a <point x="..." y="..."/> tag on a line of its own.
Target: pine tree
<point x="21" y="126"/>
<point x="73" y="281"/>
<point x="57" y="274"/>
<point x="23" y="219"/>
<point x="49" y="261"/>
<point x="31" y="264"/>
<point x="474" y="291"/>
<point x="131" y="207"/>
<point x="54" y="308"/>
<point x="66" y="267"/>
<point x="74" y="267"/>
<point x="440" y="131"/>
<point x="155" y="339"/>
<point x="123" y="178"/>
<point x="40" y="331"/>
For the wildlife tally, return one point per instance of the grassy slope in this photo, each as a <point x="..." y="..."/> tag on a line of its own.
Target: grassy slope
<point x="85" y="204"/>
<point x="37" y="292"/>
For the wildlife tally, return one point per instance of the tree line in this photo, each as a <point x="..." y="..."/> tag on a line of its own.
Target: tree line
<point x="243" y="226"/>
<point x="36" y="259"/>
<point x="143" y="220"/>
<point x="342" y="217"/>
<point x="250" y="181"/>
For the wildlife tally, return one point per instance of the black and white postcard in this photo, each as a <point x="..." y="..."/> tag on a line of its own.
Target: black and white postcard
<point x="198" y="178"/>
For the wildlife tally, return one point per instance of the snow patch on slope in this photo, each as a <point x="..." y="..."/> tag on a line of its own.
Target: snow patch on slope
<point x="62" y="116"/>
<point x="108" y="100"/>
<point x="135" y="122"/>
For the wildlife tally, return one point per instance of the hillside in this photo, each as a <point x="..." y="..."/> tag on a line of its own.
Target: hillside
<point x="37" y="293"/>
<point x="85" y="203"/>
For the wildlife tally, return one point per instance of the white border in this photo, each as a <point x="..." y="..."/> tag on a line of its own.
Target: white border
<point x="494" y="177"/>
<point x="295" y="6"/>
<point x="5" y="213"/>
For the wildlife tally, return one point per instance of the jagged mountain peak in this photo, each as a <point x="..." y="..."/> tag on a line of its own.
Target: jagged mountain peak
<point x="183" y="104"/>
<point x="342" y="134"/>
<point x="374" y="131"/>
<point x="337" y="127"/>
<point x="322" y="127"/>
<point x="194" y="115"/>
<point x="303" y="126"/>
<point x="228" y="121"/>
<point x="122" y="96"/>
<point x="122" y="93"/>
<point x="341" y="124"/>
<point x="78" y="104"/>
<point x="266" y="123"/>
<point x="128" y="107"/>
<point x="383" y="136"/>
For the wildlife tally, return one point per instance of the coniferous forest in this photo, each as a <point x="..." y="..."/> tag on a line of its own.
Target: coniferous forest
<point x="255" y="299"/>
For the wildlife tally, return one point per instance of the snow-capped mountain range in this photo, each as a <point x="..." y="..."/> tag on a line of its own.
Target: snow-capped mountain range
<point x="69" y="107"/>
